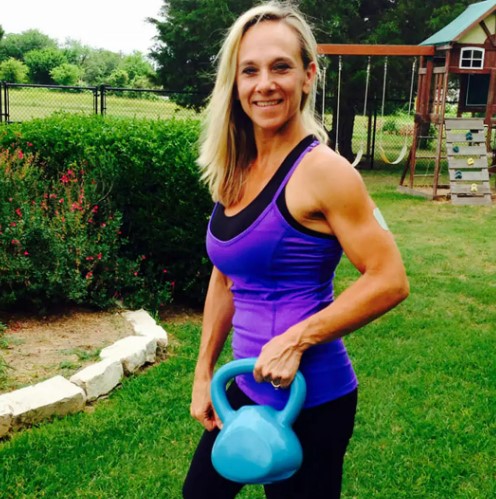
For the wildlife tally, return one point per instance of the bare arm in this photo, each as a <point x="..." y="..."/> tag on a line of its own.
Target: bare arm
<point x="348" y="213"/>
<point x="217" y="321"/>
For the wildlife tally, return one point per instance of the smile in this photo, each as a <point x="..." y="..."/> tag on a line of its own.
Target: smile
<point x="268" y="103"/>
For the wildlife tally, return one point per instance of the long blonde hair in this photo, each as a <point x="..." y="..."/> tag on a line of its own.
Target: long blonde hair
<point x="227" y="144"/>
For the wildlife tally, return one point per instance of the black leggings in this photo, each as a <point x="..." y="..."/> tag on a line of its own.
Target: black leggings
<point x="324" y="432"/>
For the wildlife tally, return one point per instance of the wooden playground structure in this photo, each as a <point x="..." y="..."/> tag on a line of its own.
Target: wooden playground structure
<point x="464" y="50"/>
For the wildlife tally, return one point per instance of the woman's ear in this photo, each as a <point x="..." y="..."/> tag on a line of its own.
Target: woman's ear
<point x="310" y="72"/>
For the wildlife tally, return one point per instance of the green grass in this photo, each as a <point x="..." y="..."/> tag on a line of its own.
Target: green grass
<point x="425" y="424"/>
<point x="28" y="103"/>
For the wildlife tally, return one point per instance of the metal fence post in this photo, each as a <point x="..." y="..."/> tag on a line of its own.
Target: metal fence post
<point x="95" y="99"/>
<point x="1" y="101"/>
<point x="103" y="100"/>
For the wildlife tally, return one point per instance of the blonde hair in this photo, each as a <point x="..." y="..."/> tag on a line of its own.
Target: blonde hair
<point x="227" y="144"/>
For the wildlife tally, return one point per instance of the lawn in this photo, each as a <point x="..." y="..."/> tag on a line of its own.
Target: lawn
<point x="31" y="102"/>
<point x="425" y="425"/>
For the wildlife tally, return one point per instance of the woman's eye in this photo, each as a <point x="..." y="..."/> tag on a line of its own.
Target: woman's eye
<point x="249" y="70"/>
<point x="281" y="67"/>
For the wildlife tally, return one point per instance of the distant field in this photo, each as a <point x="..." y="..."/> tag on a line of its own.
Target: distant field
<point x="29" y="103"/>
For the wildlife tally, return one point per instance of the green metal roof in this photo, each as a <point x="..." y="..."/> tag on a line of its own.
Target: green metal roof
<point x="469" y="17"/>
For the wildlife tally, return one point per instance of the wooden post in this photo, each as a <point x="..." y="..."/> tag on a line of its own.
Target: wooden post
<point x="490" y="108"/>
<point x="440" y="126"/>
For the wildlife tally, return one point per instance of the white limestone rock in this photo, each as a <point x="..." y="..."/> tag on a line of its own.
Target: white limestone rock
<point x="144" y="325"/>
<point x="132" y="351"/>
<point x="100" y="378"/>
<point x="140" y="316"/>
<point x="53" y="397"/>
<point x="5" y="417"/>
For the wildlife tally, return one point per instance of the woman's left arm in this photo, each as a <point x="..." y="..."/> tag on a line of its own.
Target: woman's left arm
<point x="351" y="215"/>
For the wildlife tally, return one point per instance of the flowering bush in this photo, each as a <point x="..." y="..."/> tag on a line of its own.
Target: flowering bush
<point x="60" y="240"/>
<point x="145" y="171"/>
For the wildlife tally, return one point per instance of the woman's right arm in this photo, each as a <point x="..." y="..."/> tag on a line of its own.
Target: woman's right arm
<point x="217" y="321"/>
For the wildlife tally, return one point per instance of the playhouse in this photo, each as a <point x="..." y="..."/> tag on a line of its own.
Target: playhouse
<point x="459" y="59"/>
<point x="464" y="58"/>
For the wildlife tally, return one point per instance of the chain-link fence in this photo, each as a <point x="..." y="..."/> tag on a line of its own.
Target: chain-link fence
<point x="377" y="137"/>
<point x="22" y="102"/>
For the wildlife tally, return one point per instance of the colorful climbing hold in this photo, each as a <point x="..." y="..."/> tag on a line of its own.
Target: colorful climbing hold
<point x="470" y="161"/>
<point x="458" y="175"/>
<point x="456" y="149"/>
<point x="468" y="136"/>
<point x="473" y="188"/>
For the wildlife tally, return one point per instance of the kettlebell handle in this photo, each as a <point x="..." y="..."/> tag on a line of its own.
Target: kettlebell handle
<point x="241" y="366"/>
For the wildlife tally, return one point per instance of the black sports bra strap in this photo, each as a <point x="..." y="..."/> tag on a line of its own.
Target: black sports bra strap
<point x="225" y="228"/>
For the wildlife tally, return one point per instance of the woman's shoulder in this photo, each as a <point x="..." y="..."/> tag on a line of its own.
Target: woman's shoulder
<point x="326" y="164"/>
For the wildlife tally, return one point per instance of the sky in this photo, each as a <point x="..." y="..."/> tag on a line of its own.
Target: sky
<point x="116" y="25"/>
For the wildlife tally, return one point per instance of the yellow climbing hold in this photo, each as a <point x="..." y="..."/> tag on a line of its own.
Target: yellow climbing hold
<point x="473" y="188"/>
<point x="470" y="161"/>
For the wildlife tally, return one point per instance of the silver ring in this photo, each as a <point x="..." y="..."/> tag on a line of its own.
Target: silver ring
<point x="276" y="385"/>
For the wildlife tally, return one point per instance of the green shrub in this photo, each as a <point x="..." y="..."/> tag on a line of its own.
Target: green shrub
<point x="145" y="173"/>
<point x="59" y="239"/>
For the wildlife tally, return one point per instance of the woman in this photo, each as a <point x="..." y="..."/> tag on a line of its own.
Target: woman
<point x="286" y="208"/>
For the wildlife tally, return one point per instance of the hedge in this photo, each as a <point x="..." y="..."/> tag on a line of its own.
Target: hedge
<point x="98" y="208"/>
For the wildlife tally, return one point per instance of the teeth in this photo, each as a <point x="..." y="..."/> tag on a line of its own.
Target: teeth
<point x="267" y="103"/>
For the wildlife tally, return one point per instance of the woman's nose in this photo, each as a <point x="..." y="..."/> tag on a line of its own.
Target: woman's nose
<point x="265" y="82"/>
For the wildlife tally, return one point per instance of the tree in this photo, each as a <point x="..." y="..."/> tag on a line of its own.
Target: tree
<point x="13" y="71"/>
<point x="18" y="45"/>
<point x="41" y="62"/>
<point x="99" y="65"/>
<point x="189" y="36"/>
<point x="136" y="66"/>
<point x="118" y="78"/>
<point x="67" y="74"/>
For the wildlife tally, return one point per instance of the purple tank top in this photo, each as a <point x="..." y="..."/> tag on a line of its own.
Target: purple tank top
<point x="282" y="273"/>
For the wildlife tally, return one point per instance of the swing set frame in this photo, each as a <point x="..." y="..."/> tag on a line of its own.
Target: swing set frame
<point x="378" y="50"/>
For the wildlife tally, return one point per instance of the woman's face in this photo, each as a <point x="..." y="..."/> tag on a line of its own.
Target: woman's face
<point x="270" y="77"/>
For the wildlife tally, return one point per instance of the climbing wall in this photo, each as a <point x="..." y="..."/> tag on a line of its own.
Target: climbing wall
<point x="467" y="161"/>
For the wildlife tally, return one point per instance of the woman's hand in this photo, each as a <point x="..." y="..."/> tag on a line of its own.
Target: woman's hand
<point x="201" y="407"/>
<point x="279" y="360"/>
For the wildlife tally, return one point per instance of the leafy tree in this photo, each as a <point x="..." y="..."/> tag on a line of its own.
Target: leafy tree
<point x="136" y="65"/>
<point x="13" y="71"/>
<point x="18" y="45"/>
<point x="99" y="65"/>
<point x="118" y="78"/>
<point x="67" y="74"/>
<point x="41" y="62"/>
<point x="2" y="33"/>
<point x="75" y="52"/>
<point x="189" y="35"/>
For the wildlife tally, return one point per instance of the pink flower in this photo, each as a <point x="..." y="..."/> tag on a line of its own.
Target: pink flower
<point x="95" y="209"/>
<point x="26" y="253"/>
<point x="103" y="224"/>
<point x="15" y="242"/>
<point x="29" y="144"/>
<point x="20" y="154"/>
<point x="64" y="179"/>
<point x="13" y="224"/>
<point x="19" y="212"/>
<point x="61" y="200"/>
<point x="135" y="273"/>
<point x="99" y="256"/>
<point x="89" y="275"/>
<point x="89" y="258"/>
<point x="165" y="271"/>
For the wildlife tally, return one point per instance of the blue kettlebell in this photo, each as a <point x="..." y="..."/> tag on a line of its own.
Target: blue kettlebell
<point x="257" y="443"/>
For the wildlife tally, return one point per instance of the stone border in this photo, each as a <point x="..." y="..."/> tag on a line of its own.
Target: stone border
<point x="58" y="396"/>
